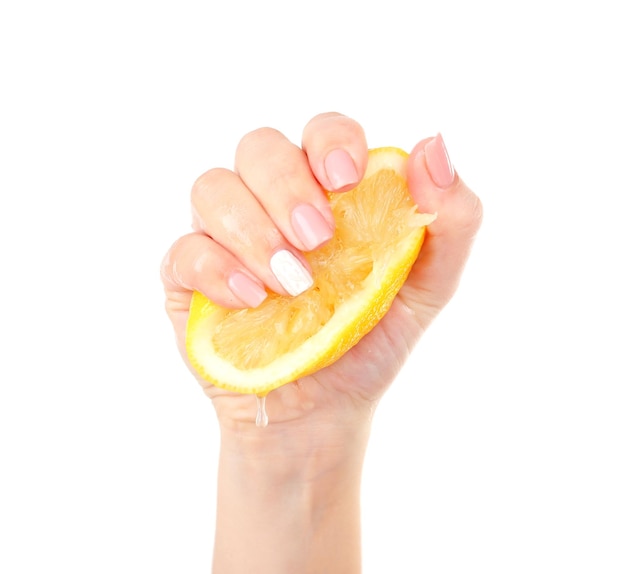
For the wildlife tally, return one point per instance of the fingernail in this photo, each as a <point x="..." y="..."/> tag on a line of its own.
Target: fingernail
<point x="340" y="169"/>
<point x="438" y="162"/>
<point x="291" y="274"/>
<point x="310" y="226"/>
<point x="248" y="290"/>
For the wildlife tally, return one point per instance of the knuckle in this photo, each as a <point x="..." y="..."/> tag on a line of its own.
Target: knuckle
<point x="349" y="126"/>
<point x="320" y="119"/>
<point x="339" y="125"/>
<point x="208" y="182"/>
<point x="169" y="265"/>
<point x="475" y="212"/>
<point x="470" y="216"/>
<point x="287" y="175"/>
<point x="256" y="140"/>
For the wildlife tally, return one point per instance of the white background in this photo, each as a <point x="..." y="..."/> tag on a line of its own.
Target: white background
<point x="501" y="447"/>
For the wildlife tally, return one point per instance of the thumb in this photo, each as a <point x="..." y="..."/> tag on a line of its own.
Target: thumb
<point x="437" y="188"/>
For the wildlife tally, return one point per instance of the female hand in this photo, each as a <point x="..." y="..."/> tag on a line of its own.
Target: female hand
<point x="274" y="201"/>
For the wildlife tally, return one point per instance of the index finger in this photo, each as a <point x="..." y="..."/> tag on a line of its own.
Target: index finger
<point x="337" y="150"/>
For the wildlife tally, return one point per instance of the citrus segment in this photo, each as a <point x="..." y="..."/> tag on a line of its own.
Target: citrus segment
<point x="357" y="274"/>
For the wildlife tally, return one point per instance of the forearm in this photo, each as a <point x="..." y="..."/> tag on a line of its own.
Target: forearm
<point x="287" y="504"/>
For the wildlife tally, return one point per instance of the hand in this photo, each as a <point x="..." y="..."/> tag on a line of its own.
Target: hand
<point x="241" y="218"/>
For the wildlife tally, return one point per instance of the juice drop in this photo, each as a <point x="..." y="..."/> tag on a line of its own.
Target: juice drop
<point x="261" y="414"/>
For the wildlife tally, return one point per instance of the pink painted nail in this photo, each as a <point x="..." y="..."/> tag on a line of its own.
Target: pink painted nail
<point x="438" y="162"/>
<point x="248" y="290"/>
<point x="340" y="169"/>
<point x="310" y="226"/>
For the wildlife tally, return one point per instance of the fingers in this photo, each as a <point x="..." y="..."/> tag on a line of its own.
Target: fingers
<point x="197" y="262"/>
<point x="437" y="188"/>
<point x="254" y="224"/>
<point x="277" y="173"/>
<point x="336" y="149"/>
<point x="226" y="210"/>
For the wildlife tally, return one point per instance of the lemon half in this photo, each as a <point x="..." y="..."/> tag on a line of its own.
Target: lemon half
<point x="357" y="274"/>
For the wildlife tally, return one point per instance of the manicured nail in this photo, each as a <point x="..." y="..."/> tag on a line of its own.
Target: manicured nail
<point x="438" y="162"/>
<point x="248" y="290"/>
<point x="291" y="274"/>
<point x="310" y="226"/>
<point x="340" y="169"/>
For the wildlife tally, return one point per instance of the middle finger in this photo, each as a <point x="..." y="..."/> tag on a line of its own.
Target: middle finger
<point x="277" y="172"/>
<point x="225" y="209"/>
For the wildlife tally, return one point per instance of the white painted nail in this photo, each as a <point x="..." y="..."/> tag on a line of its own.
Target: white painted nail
<point x="291" y="274"/>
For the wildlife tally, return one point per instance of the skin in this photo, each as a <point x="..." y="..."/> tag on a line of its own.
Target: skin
<point x="288" y="494"/>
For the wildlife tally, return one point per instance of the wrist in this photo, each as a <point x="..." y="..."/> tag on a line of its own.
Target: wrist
<point x="290" y="494"/>
<point x="302" y="450"/>
<point x="306" y="434"/>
